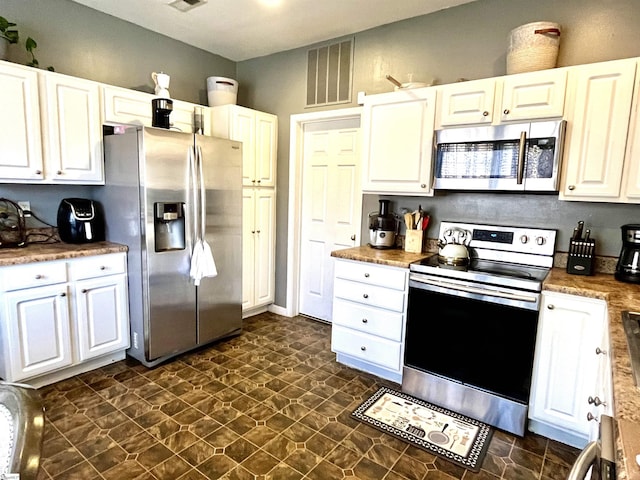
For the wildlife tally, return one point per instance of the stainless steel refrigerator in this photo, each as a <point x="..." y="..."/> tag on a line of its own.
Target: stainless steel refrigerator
<point x="164" y="191"/>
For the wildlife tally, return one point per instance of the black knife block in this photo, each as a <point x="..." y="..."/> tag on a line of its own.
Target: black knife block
<point x="582" y="257"/>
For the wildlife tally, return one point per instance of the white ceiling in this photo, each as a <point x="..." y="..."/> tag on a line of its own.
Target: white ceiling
<point x="244" y="29"/>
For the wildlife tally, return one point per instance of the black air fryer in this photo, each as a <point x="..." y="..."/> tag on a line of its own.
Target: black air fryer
<point x="80" y="220"/>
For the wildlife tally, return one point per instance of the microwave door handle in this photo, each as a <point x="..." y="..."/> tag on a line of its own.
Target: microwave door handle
<point x="521" y="152"/>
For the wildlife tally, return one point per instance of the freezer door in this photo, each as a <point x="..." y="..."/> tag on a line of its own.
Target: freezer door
<point x="171" y="296"/>
<point x="220" y="297"/>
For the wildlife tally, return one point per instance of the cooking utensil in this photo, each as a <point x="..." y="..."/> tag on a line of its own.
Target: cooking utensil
<point x="439" y="437"/>
<point x="407" y="85"/>
<point x="394" y="81"/>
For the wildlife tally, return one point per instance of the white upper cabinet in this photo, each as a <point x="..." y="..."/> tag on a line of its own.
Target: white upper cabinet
<point x="466" y="103"/>
<point x="597" y="131"/>
<point x="20" y="137"/>
<point x="631" y="173"/>
<point x="258" y="132"/>
<point x="522" y="97"/>
<point x="52" y="129"/>
<point x="398" y="142"/>
<point x="124" y="106"/>
<point x="71" y="128"/>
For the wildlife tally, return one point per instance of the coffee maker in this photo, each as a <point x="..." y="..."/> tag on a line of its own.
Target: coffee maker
<point x="383" y="227"/>
<point x="162" y="108"/>
<point x="628" y="267"/>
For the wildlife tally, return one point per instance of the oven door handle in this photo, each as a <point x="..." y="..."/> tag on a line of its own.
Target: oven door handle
<point x="476" y="290"/>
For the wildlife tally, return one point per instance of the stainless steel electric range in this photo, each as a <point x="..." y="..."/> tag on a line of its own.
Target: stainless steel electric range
<point x="471" y="331"/>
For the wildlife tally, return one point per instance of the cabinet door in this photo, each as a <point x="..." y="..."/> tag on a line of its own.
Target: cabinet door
<point x="102" y="316"/>
<point x="38" y="331"/>
<point x="123" y="106"/>
<point x="258" y="244"/>
<point x="248" y="248"/>
<point x="597" y="130"/>
<point x="265" y="221"/>
<point x="533" y="95"/>
<point x="20" y="137"/>
<point x="398" y="142"/>
<point x="72" y="129"/>
<point x="266" y="140"/>
<point x="466" y="103"/>
<point x="631" y="178"/>
<point x="243" y="129"/>
<point x="566" y="363"/>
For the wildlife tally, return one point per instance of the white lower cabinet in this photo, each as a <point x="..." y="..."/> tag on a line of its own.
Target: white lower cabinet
<point x="571" y="384"/>
<point x="369" y="317"/>
<point x="62" y="317"/>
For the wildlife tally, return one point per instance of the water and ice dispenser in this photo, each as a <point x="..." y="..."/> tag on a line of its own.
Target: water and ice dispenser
<point x="169" y="226"/>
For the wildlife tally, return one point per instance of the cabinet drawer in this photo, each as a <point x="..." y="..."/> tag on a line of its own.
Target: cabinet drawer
<point x="97" y="266"/>
<point x="372" y="274"/>
<point x="374" y="321"/>
<point x="32" y="275"/>
<point x="369" y="348"/>
<point x="371" y="295"/>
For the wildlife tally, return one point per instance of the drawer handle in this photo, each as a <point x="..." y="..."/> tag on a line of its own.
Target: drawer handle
<point x="39" y="277"/>
<point x="365" y="295"/>
<point x="366" y="275"/>
<point x="599" y="351"/>
<point x="596" y="401"/>
<point x="364" y="320"/>
<point x="363" y="348"/>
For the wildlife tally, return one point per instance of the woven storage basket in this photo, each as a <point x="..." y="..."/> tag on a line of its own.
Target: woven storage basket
<point x="533" y="46"/>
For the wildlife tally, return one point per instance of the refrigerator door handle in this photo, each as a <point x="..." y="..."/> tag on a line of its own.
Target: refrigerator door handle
<point x="203" y="199"/>
<point x="193" y="177"/>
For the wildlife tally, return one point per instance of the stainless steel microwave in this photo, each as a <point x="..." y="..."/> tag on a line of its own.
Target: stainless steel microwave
<point x="514" y="157"/>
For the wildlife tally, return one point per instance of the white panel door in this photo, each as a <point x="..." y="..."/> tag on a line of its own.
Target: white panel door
<point x="331" y="208"/>
<point x="72" y="128"/>
<point x="20" y="140"/>
<point x="102" y="318"/>
<point x="39" y="331"/>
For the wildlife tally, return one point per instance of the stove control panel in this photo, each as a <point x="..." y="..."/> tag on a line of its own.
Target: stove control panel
<point x="517" y="240"/>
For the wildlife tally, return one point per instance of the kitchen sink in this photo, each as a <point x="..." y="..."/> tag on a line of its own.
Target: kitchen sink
<point x="631" y="324"/>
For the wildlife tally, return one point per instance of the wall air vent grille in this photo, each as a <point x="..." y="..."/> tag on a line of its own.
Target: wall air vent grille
<point x="329" y="74"/>
<point x="186" y="5"/>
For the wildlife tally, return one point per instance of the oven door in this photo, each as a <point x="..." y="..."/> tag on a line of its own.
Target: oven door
<point x="483" y="340"/>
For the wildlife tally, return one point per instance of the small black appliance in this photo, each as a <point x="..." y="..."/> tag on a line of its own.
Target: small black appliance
<point x="628" y="267"/>
<point x="383" y="227"/>
<point x="162" y="108"/>
<point x="80" y="220"/>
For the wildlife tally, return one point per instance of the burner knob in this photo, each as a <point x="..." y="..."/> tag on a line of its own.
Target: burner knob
<point x="541" y="240"/>
<point x="524" y="239"/>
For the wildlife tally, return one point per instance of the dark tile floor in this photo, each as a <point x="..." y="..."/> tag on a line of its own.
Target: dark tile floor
<point x="271" y="403"/>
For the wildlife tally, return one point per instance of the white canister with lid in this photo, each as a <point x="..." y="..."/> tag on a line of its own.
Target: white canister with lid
<point x="222" y="91"/>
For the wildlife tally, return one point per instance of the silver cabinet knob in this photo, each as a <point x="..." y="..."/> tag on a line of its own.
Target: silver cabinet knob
<point x="84" y="290"/>
<point x="63" y="294"/>
<point x="485" y="114"/>
<point x="506" y="111"/>
<point x="423" y="185"/>
<point x="365" y="295"/>
<point x="364" y="320"/>
<point x="551" y="306"/>
<point x="38" y="172"/>
<point x="366" y="275"/>
<point x="39" y="277"/>
<point x="102" y="267"/>
<point x="353" y="237"/>
<point x="600" y="351"/>
<point x="258" y="181"/>
<point x="571" y="187"/>
<point x="363" y="348"/>
<point x="59" y="172"/>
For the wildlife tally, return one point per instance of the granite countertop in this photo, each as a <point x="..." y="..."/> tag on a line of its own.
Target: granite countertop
<point x="618" y="295"/>
<point x="44" y="252"/>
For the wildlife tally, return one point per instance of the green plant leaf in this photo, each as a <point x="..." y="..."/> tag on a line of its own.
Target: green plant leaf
<point x="30" y="44"/>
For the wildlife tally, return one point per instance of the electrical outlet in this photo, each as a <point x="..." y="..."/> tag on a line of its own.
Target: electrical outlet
<point x="25" y="205"/>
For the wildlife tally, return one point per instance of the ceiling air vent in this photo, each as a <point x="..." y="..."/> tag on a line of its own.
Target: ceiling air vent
<point x="329" y="74"/>
<point x="186" y="5"/>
